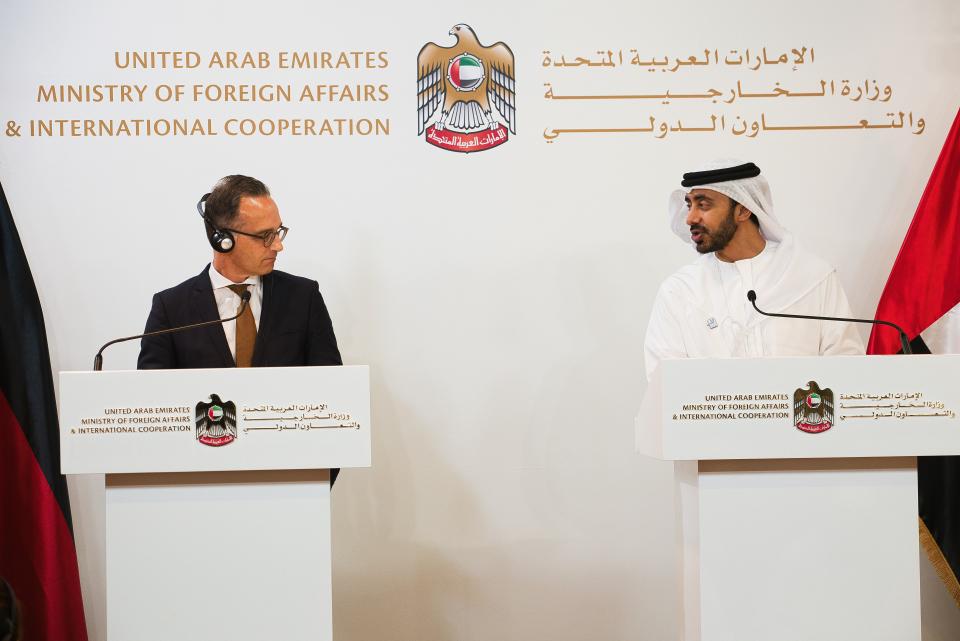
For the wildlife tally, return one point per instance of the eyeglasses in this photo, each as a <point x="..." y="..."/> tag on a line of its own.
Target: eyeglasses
<point x="267" y="237"/>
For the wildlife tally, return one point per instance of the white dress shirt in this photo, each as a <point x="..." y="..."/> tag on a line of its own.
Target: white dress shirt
<point x="228" y="303"/>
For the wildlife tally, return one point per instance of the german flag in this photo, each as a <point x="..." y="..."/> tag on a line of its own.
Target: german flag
<point x="924" y="288"/>
<point x="37" y="554"/>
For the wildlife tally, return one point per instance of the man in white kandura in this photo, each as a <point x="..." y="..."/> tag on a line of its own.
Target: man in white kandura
<point x="726" y="212"/>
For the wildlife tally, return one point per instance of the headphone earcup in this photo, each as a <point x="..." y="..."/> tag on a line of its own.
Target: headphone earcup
<point x="221" y="241"/>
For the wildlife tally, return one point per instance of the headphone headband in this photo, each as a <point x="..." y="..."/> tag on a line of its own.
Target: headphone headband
<point x="201" y="206"/>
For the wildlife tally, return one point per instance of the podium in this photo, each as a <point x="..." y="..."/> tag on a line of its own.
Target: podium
<point x="796" y="489"/>
<point x="217" y="494"/>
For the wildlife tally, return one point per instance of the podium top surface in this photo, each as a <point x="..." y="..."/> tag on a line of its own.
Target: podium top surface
<point x="265" y="418"/>
<point x="803" y="407"/>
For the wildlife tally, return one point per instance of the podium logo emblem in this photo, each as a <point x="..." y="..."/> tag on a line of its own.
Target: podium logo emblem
<point x="470" y="84"/>
<point x="216" y="422"/>
<point x="813" y="409"/>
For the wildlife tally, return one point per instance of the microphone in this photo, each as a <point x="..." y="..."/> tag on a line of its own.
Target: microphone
<point x="904" y="341"/>
<point x="98" y="359"/>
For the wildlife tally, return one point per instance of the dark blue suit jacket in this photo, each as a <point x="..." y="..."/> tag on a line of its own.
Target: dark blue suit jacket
<point x="294" y="329"/>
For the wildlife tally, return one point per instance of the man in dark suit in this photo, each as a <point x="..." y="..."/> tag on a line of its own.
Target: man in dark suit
<point x="285" y="323"/>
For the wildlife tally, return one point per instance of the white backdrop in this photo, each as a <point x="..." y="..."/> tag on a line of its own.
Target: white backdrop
<point x="500" y="298"/>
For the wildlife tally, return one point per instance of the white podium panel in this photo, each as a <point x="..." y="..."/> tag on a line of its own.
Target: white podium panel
<point x="204" y="556"/>
<point x="796" y="490"/>
<point x="795" y="550"/>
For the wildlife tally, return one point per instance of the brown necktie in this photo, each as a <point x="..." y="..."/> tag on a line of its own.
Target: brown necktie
<point x="246" y="331"/>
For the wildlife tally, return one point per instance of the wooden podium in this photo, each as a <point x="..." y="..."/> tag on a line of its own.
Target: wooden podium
<point x="217" y="494"/>
<point x="796" y="490"/>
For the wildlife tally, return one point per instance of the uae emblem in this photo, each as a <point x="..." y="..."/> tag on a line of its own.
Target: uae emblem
<point x="467" y="81"/>
<point x="813" y="409"/>
<point x="216" y="422"/>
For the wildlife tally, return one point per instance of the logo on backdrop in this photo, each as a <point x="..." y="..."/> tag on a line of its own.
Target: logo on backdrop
<point x="467" y="83"/>
<point x="813" y="409"/>
<point x="216" y="422"/>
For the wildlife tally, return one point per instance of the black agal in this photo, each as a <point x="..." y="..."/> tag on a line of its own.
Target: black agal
<point x="725" y="174"/>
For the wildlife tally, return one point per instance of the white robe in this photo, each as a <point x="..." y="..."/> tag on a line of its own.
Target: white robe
<point x="702" y="310"/>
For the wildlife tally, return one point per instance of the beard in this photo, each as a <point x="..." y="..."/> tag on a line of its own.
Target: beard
<point x="716" y="239"/>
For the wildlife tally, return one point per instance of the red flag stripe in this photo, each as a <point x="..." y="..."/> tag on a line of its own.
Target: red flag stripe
<point x="923" y="284"/>
<point x="37" y="554"/>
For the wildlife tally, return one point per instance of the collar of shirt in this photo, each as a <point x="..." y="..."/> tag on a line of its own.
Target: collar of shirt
<point x="736" y="279"/>
<point x="218" y="280"/>
<point x="744" y="269"/>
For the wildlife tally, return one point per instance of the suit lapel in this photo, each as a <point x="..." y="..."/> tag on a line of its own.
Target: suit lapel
<point x="205" y="309"/>
<point x="267" y="315"/>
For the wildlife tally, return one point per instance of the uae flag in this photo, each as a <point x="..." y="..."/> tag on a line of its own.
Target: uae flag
<point x="37" y="554"/>
<point x="921" y="295"/>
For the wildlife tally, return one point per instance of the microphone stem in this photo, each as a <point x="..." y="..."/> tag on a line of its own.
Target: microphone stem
<point x="98" y="359"/>
<point x="904" y="341"/>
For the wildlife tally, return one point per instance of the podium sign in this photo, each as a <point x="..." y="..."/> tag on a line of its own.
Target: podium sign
<point x="700" y="409"/>
<point x="215" y="419"/>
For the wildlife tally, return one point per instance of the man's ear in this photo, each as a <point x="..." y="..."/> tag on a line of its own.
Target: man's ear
<point x="741" y="213"/>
